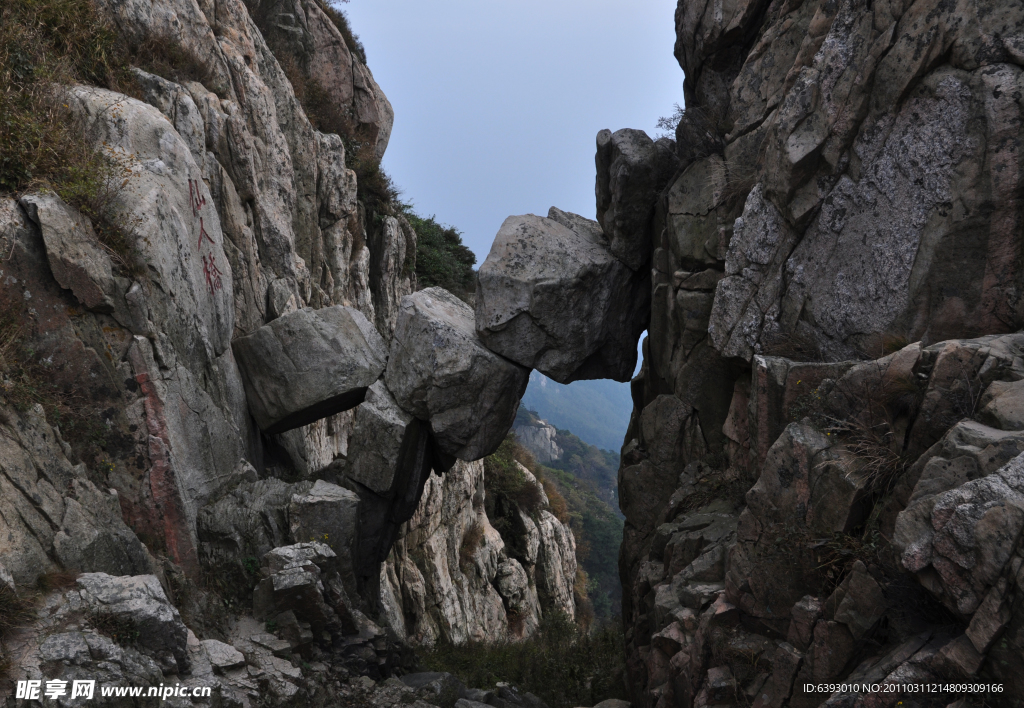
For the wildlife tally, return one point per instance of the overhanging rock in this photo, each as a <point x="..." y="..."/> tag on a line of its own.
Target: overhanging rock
<point x="551" y="296"/>
<point x="307" y="365"/>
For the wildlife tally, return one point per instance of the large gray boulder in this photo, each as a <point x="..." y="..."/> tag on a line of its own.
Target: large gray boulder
<point x="631" y="170"/>
<point x="552" y="296"/>
<point x="139" y="601"/>
<point x="440" y="372"/>
<point x="328" y="514"/>
<point x="307" y="365"/>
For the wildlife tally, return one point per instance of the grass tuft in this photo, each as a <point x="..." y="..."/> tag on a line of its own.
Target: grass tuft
<point x="46" y="46"/>
<point x="561" y="664"/>
<point x="16" y="610"/>
<point x="57" y="580"/>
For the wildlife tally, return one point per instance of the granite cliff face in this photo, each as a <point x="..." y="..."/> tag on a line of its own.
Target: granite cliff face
<point x="258" y="423"/>
<point x="807" y="494"/>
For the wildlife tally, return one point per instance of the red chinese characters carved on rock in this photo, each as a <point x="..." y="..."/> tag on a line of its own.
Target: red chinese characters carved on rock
<point x="210" y="269"/>
<point x="195" y="196"/>
<point x="212" y="274"/>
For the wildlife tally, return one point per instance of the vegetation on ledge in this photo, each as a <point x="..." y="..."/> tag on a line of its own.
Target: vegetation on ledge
<point x="442" y="260"/>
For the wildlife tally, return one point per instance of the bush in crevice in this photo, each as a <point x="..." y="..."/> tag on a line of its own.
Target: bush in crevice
<point x="26" y="379"/>
<point x="507" y="488"/>
<point x="472" y="539"/>
<point x="442" y="259"/>
<point x="16" y="610"/>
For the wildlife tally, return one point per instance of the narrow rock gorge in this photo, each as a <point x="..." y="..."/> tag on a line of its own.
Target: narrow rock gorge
<point x="251" y="441"/>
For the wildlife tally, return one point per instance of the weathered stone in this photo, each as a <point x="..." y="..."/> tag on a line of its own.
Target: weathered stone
<point x="1002" y="405"/>
<point x="440" y="372"/>
<point x="863" y="602"/>
<point x="248" y="522"/>
<point x="631" y="170"/>
<point x="328" y="514"/>
<point x="140" y="602"/>
<point x="222" y="656"/>
<point x="971" y="535"/>
<point x="989" y="619"/>
<point x="308" y="365"/>
<point x="76" y="257"/>
<point x="832" y="648"/>
<point x="721" y="685"/>
<point x="804" y="616"/>
<point x="555" y="299"/>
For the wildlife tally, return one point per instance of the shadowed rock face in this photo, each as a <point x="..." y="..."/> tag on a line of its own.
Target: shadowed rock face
<point x="632" y="170"/>
<point x="551" y="296"/>
<point x="308" y="365"/>
<point x="838" y="254"/>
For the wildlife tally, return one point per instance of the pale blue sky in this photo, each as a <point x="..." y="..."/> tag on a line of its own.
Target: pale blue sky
<point x="498" y="102"/>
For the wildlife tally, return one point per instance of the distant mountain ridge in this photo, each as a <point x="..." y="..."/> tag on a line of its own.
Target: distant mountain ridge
<point x="586" y="477"/>
<point x="597" y="411"/>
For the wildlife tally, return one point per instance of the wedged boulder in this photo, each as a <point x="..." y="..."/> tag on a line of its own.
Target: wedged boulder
<point x="551" y="296"/>
<point x="307" y="365"/>
<point x="328" y="514"/>
<point x="631" y="170"/>
<point x="390" y="458"/>
<point x="139" y="601"/>
<point x="439" y="371"/>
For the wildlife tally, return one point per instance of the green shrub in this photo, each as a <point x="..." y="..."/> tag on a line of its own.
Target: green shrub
<point x="561" y="664"/>
<point x="507" y="489"/>
<point x="442" y="260"/>
<point x="598" y="533"/>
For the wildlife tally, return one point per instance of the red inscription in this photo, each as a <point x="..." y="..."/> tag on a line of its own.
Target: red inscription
<point x="203" y="235"/>
<point x="212" y="274"/>
<point x="195" y="196"/>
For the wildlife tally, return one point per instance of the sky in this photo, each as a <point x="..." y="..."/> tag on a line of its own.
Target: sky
<point x="498" y="102"/>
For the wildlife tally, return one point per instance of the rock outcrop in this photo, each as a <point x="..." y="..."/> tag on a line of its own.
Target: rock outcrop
<point x="539" y="438"/>
<point x="821" y="464"/>
<point x="453" y="577"/>
<point x="553" y="297"/>
<point x="234" y="409"/>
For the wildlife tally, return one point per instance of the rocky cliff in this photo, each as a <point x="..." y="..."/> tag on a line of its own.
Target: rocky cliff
<point x="822" y="445"/>
<point x="245" y="404"/>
